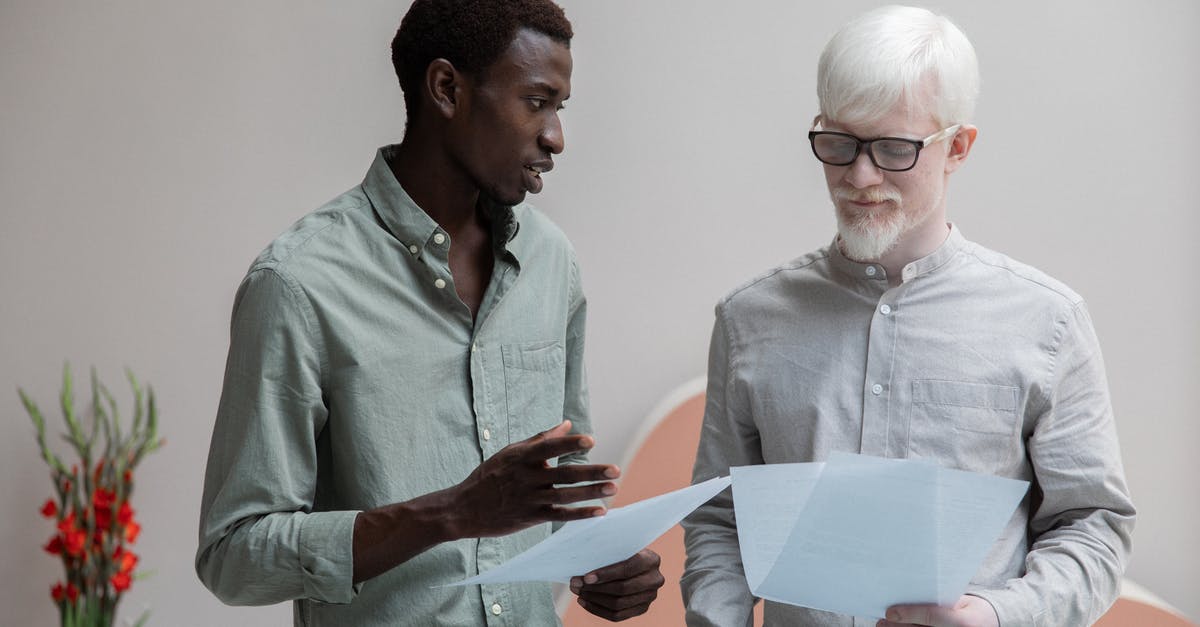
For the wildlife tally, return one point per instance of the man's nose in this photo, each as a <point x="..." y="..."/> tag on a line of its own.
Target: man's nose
<point x="863" y="172"/>
<point x="551" y="137"/>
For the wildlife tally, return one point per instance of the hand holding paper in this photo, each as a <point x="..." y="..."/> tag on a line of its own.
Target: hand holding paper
<point x="582" y="546"/>
<point x="622" y="590"/>
<point x="969" y="611"/>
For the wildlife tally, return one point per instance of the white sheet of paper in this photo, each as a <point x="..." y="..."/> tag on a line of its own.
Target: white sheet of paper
<point x="858" y="534"/>
<point x="582" y="546"/>
<point x="773" y="495"/>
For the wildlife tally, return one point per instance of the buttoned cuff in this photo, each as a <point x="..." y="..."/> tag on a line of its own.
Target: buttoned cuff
<point x="327" y="556"/>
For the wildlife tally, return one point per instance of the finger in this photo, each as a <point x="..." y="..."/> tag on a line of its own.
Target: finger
<point x="555" y="513"/>
<point x="558" y="430"/>
<point x="619" y="602"/>
<point x="610" y="615"/>
<point x="579" y="473"/>
<point x="641" y="562"/>
<point x="539" y="448"/>
<point x="923" y="614"/>
<point x="649" y="580"/>
<point x="574" y="494"/>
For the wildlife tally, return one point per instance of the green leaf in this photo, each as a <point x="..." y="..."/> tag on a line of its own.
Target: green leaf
<point x="39" y="425"/>
<point x="138" y="400"/>
<point x="114" y="443"/>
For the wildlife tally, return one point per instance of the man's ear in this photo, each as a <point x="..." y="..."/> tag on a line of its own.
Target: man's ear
<point x="443" y="85"/>
<point x="960" y="147"/>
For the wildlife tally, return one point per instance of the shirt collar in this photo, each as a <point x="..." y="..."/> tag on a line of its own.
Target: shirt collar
<point x="874" y="271"/>
<point x="407" y="221"/>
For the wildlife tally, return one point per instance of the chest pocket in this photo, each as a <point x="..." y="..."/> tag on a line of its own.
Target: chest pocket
<point x="534" y="380"/>
<point x="972" y="426"/>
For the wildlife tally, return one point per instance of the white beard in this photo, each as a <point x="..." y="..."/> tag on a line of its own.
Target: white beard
<point x="864" y="242"/>
<point x="869" y="237"/>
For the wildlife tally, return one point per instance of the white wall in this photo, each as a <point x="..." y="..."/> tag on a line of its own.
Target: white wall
<point x="148" y="150"/>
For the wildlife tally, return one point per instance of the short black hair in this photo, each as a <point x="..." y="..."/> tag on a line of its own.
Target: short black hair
<point x="470" y="34"/>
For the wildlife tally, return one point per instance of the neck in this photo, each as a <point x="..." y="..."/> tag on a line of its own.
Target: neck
<point x="430" y="176"/>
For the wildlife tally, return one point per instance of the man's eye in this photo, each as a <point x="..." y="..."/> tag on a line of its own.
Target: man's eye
<point x="536" y="103"/>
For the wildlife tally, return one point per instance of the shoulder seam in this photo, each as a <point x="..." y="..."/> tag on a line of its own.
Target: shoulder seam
<point x="1069" y="295"/>
<point x="795" y="264"/>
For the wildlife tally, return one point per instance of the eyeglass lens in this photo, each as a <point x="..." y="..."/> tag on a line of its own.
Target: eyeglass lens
<point x="888" y="154"/>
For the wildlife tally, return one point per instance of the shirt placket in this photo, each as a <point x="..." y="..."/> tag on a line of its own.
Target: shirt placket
<point x="489" y="404"/>
<point x="877" y="391"/>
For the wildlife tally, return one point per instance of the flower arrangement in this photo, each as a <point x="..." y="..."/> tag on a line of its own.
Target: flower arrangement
<point x="95" y="523"/>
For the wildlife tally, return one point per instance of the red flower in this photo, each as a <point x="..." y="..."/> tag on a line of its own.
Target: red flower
<point x="58" y="592"/>
<point x="104" y="498"/>
<point x="132" y="530"/>
<point x="67" y="523"/>
<point x="50" y="509"/>
<point x="72" y="592"/>
<point x="54" y="546"/>
<point x="125" y="514"/>
<point x="128" y="477"/>
<point x="120" y="581"/>
<point x="74" y="542"/>
<point x="71" y="539"/>
<point x="102" y="502"/>
<point x="125" y="560"/>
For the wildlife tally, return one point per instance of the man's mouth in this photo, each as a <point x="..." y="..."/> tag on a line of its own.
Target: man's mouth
<point x="866" y="198"/>
<point x="533" y="174"/>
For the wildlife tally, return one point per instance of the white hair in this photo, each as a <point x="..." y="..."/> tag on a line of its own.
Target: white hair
<point x="895" y="55"/>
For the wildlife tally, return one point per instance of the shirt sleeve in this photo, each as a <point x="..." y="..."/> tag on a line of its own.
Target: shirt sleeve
<point x="714" y="586"/>
<point x="260" y="541"/>
<point x="1082" y="516"/>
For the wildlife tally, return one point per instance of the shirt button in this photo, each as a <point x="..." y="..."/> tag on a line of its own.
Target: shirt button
<point x="414" y="249"/>
<point x="438" y="238"/>
<point x="474" y="347"/>
<point x="487" y="434"/>
<point x="877" y="389"/>
<point x="885" y="309"/>
<point x="496" y="609"/>
<point x="439" y="284"/>
<point x="870" y="271"/>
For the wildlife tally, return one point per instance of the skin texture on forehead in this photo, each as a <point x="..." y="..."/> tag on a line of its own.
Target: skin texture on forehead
<point x="532" y="58"/>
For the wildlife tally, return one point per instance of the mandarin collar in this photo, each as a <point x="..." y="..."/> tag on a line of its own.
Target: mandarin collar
<point x="874" y="272"/>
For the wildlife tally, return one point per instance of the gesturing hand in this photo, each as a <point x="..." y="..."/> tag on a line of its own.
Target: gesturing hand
<point x="516" y="487"/>
<point x="969" y="611"/>
<point x="622" y="590"/>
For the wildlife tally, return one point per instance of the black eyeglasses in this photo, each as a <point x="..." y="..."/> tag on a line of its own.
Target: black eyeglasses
<point x="894" y="154"/>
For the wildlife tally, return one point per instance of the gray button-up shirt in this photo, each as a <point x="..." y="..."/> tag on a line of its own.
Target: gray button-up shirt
<point x="976" y="361"/>
<point x="357" y="378"/>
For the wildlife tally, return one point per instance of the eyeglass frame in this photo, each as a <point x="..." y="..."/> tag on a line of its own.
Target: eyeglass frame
<point x="858" y="148"/>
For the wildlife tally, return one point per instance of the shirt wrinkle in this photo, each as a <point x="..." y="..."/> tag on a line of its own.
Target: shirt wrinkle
<point x="971" y="369"/>
<point x="379" y="392"/>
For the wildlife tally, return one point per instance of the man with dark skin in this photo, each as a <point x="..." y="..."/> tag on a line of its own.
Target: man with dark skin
<point x="476" y="141"/>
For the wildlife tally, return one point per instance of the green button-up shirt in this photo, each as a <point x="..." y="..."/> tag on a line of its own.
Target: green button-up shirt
<point x="357" y="378"/>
